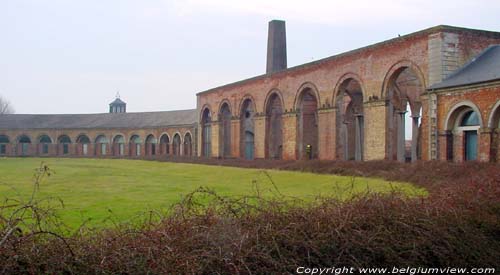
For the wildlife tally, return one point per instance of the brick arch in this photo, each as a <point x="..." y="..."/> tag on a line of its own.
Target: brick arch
<point x="24" y="135"/>
<point x="174" y="148"/>
<point x="81" y="135"/>
<point x="242" y="101"/>
<point x="494" y="116"/>
<point x="274" y="126"/>
<point x="394" y="71"/>
<point x="349" y="122"/>
<point x="164" y="148"/>
<point x="187" y="151"/>
<point x="225" y="128"/>
<point x="268" y="96"/>
<point x="164" y="134"/>
<point x="134" y="135"/>
<point x="119" y="134"/>
<point x="37" y="140"/>
<point x="63" y="135"/>
<point x="304" y="87"/>
<point x="451" y="116"/>
<point x="206" y="132"/>
<point x="203" y="109"/>
<point x="307" y="123"/>
<point x="341" y="81"/>
<point x="221" y="104"/>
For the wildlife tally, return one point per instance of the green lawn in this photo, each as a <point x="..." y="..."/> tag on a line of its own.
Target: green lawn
<point x="100" y="188"/>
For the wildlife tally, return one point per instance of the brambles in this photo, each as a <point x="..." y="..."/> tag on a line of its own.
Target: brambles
<point x="458" y="224"/>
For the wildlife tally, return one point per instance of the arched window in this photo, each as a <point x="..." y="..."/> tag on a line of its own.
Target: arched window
<point x="101" y="145"/>
<point x="24" y="145"/>
<point x="64" y="141"/>
<point x="151" y="145"/>
<point x="165" y="144"/>
<point x="135" y="145"/>
<point x="188" y="145"/>
<point x="225" y="130"/>
<point x="247" y="128"/>
<point x="462" y="138"/>
<point x="206" y="133"/>
<point x="83" y="144"/>
<point x="274" y="127"/>
<point x="44" y="142"/>
<point x="176" y="145"/>
<point x="469" y="125"/>
<point x="119" y="145"/>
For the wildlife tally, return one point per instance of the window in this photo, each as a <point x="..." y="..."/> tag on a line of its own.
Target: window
<point x="85" y="148"/>
<point x="3" y="149"/>
<point x="137" y="149"/>
<point x="65" y="148"/>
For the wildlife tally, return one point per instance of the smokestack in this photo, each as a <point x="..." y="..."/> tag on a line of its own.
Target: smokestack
<point x="276" y="46"/>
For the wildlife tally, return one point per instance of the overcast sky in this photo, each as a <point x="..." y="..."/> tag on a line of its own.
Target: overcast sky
<point x="72" y="56"/>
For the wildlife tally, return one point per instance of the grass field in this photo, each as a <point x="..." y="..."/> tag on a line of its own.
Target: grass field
<point x="98" y="189"/>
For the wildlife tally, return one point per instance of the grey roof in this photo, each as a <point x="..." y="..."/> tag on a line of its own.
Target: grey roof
<point x="99" y="121"/>
<point x="117" y="101"/>
<point x="485" y="67"/>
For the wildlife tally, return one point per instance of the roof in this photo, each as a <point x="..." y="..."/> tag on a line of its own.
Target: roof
<point x="99" y="121"/>
<point x="485" y="67"/>
<point x="117" y="101"/>
<point x="436" y="29"/>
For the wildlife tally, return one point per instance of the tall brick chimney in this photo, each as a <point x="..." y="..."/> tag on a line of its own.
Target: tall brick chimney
<point x="276" y="46"/>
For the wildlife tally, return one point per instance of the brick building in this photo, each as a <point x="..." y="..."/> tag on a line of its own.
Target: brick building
<point x="441" y="84"/>
<point x="118" y="134"/>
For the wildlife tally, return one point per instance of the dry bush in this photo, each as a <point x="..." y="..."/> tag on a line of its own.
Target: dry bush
<point x="458" y="224"/>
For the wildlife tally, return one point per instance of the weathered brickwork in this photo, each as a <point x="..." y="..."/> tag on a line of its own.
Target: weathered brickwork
<point x="485" y="99"/>
<point x="430" y="55"/>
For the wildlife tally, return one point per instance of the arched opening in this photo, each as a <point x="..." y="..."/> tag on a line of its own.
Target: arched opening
<point x="164" y="144"/>
<point x="118" y="145"/>
<point x="101" y="143"/>
<point x="176" y="145"/>
<point x="206" y="133"/>
<point x="469" y="124"/>
<point x="349" y="120"/>
<point x="225" y="130"/>
<point x="24" y="145"/>
<point x="495" y="133"/>
<point x="307" y="124"/>
<point x="247" y="128"/>
<point x="274" y="127"/>
<point x="462" y="134"/>
<point x="44" y="144"/>
<point x="188" y="145"/>
<point x="64" y="142"/>
<point x="135" y="145"/>
<point x="403" y="115"/>
<point x="4" y="144"/>
<point x="83" y="145"/>
<point x="151" y="145"/>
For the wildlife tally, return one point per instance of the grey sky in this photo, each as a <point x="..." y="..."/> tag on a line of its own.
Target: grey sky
<point x="71" y="56"/>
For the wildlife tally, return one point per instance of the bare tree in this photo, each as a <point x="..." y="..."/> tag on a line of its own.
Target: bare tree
<point x="5" y="107"/>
